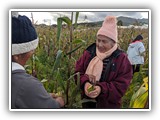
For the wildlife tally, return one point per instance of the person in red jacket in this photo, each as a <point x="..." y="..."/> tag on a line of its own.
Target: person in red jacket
<point x="104" y="67"/>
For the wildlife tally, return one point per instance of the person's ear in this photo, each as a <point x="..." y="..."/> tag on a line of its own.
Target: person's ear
<point x="15" y="58"/>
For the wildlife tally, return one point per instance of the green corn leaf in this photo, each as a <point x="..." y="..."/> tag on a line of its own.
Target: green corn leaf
<point x="44" y="80"/>
<point x="141" y="101"/>
<point x="141" y="91"/>
<point x="78" y="41"/>
<point x="74" y="49"/>
<point x="57" y="61"/>
<point x="59" y="27"/>
<point x="76" y="19"/>
<point x="73" y="94"/>
<point x="60" y="81"/>
<point x="66" y="20"/>
<point x="82" y="43"/>
<point x="78" y="81"/>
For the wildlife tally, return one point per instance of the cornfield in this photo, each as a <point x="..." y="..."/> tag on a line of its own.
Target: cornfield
<point x="53" y="62"/>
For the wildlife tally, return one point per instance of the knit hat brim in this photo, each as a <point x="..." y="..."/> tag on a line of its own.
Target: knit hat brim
<point x="24" y="47"/>
<point x="107" y="33"/>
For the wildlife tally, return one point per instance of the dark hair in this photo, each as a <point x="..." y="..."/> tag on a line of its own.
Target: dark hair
<point x="139" y="37"/>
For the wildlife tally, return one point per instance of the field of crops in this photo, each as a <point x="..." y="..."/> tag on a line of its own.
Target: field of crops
<point x="60" y="47"/>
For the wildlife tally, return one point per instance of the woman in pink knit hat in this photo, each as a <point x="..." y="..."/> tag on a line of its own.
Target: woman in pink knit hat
<point x="104" y="67"/>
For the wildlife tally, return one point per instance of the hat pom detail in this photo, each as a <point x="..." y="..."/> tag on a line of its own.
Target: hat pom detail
<point x="15" y="14"/>
<point x="109" y="28"/>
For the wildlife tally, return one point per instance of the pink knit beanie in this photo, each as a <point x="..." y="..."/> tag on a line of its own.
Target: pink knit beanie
<point x="109" y="28"/>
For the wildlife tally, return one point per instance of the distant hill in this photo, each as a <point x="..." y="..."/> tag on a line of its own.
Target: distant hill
<point x="130" y="21"/>
<point x="126" y="21"/>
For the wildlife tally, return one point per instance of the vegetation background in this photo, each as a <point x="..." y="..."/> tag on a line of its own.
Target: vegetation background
<point x="60" y="46"/>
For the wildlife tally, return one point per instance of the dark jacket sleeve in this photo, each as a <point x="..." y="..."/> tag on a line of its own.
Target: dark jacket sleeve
<point x="81" y="66"/>
<point x="118" y="80"/>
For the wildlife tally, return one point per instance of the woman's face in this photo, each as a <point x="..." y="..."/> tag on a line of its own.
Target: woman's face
<point x="104" y="43"/>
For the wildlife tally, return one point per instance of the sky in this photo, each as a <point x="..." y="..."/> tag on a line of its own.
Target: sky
<point x="48" y="17"/>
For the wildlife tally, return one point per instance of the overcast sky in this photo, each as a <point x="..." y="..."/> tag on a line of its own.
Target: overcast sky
<point x="51" y="17"/>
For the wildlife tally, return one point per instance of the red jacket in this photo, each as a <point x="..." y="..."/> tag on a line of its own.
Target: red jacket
<point x="117" y="82"/>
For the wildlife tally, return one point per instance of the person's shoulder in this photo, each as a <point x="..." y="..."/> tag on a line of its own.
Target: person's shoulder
<point x="28" y="79"/>
<point x="20" y="75"/>
<point x="31" y="84"/>
<point x="24" y="80"/>
<point x="33" y="79"/>
<point x="122" y="57"/>
<point x="91" y="48"/>
<point x="122" y="51"/>
<point x="118" y="52"/>
<point x="18" y="71"/>
<point x="141" y="43"/>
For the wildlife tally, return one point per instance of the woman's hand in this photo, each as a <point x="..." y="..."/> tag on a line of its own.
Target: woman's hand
<point x="92" y="79"/>
<point x="94" y="93"/>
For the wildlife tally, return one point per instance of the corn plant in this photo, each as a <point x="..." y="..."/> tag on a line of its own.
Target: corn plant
<point x="140" y="98"/>
<point x="60" y="47"/>
<point x="68" y="55"/>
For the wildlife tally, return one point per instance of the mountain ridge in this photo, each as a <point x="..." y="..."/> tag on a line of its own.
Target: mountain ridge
<point x="125" y="21"/>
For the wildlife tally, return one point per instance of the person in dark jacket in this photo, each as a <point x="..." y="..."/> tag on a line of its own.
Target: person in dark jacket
<point x="105" y="68"/>
<point x="27" y="92"/>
